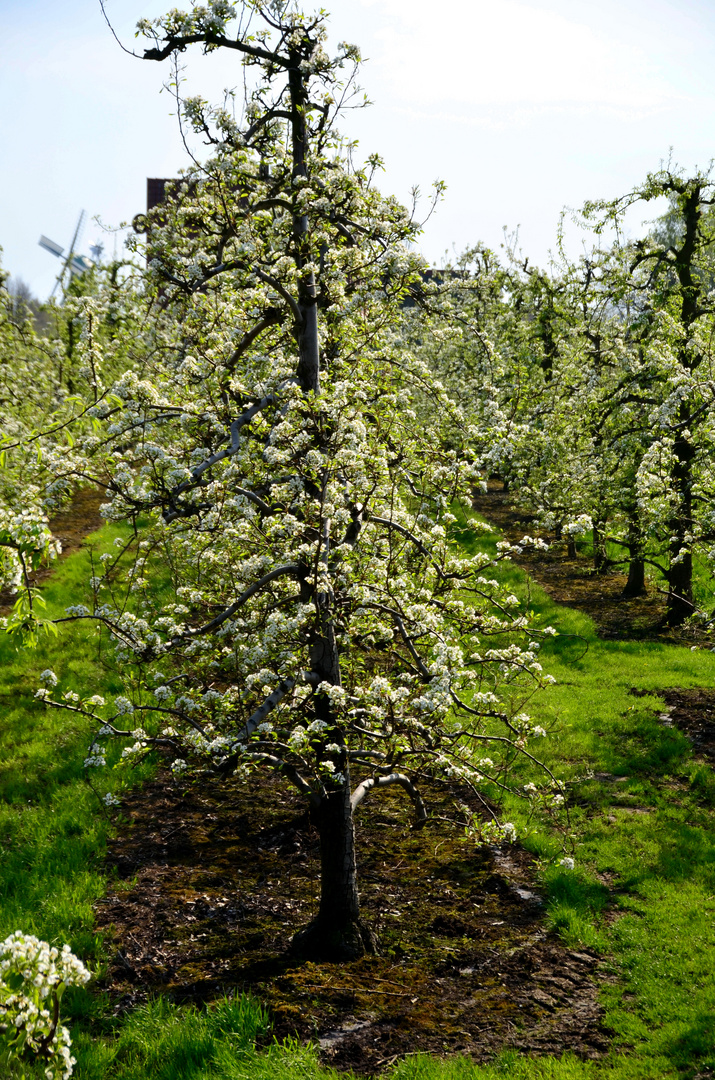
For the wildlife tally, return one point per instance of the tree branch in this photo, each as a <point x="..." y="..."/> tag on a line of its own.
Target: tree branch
<point x="280" y="571"/>
<point x="258" y="501"/>
<point x="198" y="472"/>
<point x="502" y="739"/>
<point x="404" y="532"/>
<point x="268" y="280"/>
<point x="284" y="687"/>
<point x="424" y="670"/>
<point x="179" y="44"/>
<point x="290" y="772"/>
<point x="271" y="317"/>
<point x="385" y="781"/>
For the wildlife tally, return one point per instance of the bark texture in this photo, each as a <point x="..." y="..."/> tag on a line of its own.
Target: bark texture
<point x="337" y="933"/>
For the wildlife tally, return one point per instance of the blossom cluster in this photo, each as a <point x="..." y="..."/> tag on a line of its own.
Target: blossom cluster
<point x="33" y="977"/>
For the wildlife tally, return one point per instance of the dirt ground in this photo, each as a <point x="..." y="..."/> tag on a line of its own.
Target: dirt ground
<point x="211" y="883"/>
<point x="571" y="582"/>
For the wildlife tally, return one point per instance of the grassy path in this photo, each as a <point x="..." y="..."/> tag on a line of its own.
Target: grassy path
<point x="642" y="892"/>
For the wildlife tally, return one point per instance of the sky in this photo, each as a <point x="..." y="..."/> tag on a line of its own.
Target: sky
<point x="522" y="107"/>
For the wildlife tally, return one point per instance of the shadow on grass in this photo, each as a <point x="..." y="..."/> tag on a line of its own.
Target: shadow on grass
<point x="695" y="1044"/>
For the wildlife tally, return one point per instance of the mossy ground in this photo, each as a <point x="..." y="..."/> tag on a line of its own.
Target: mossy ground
<point x="222" y="878"/>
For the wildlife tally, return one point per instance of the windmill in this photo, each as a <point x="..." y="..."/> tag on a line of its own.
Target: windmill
<point x="76" y="264"/>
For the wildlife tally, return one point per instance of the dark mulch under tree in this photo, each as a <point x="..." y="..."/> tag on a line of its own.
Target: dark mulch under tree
<point x="573" y="582"/>
<point x="213" y="880"/>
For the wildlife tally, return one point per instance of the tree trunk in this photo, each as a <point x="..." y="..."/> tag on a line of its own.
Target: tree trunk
<point x="680" y="574"/>
<point x="680" y="604"/>
<point x="339" y="903"/>
<point x="635" y="586"/>
<point x="599" y="551"/>
<point x="680" y="588"/>
<point x="337" y="934"/>
<point x="307" y="327"/>
<point x="571" y="546"/>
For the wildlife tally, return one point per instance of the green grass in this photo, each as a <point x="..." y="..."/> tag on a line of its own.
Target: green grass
<point x="643" y="840"/>
<point x="642" y="892"/>
<point x="51" y="834"/>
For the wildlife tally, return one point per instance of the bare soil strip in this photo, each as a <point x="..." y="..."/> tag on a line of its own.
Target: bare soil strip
<point x="211" y="883"/>
<point x="573" y="583"/>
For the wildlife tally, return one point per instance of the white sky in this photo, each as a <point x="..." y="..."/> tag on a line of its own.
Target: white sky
<point x="521" y="106"/>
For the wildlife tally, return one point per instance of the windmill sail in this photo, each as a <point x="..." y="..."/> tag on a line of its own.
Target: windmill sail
<point x="72" y="262"/>
<point x="51" y="246"/>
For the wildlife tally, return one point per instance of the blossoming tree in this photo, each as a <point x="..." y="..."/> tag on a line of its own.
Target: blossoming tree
<point x="48" y="384"/>
<point x="590" y="388"/>
<point x="667" y="277"/>
<point x="28" y="389"/>
<point x="292" y="597"/>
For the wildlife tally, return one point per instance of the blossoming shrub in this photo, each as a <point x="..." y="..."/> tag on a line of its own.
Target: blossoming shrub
<point x="33" y="977"/>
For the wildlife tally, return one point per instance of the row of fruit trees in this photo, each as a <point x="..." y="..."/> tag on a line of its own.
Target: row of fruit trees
<point x="285" y="414"/>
